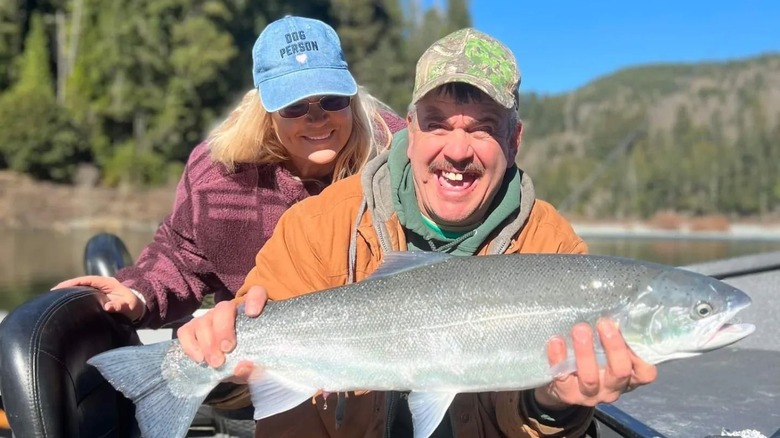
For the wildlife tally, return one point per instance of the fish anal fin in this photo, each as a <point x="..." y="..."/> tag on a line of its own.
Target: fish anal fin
<point x="428" y="408"/>
<point x="273" y="393"/>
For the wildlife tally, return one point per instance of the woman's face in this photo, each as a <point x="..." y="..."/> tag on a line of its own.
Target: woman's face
<point x="314" y="139"/>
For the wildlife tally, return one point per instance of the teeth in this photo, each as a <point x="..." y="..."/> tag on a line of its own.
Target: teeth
<point x="452" y="176"/>
<point x="319" y="138"/>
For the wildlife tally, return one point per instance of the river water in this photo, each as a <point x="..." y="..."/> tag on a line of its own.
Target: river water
<point x="31" y="261"/>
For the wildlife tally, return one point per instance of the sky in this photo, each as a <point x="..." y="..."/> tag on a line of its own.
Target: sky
<point x="562" y="45"/>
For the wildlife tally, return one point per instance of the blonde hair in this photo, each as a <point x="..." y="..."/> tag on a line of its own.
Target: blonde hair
<point x="247" y="135"/>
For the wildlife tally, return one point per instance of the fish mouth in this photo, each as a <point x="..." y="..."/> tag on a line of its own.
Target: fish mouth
<point x="727" y="334"/>
<point x="726" y="331"/>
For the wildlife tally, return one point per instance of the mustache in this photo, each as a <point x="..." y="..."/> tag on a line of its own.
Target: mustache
<point x="445" y="166"/>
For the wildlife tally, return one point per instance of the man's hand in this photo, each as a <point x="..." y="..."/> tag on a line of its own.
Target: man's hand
<point x="592" y="385"/>
<point x="119" y="298"/>
<point x="209" y="336"/>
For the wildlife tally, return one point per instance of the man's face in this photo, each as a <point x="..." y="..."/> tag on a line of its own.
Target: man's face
<point x="459" y="154"/>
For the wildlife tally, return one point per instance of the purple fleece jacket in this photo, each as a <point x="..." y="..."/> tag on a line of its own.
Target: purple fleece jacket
<point x="219" y="222"/>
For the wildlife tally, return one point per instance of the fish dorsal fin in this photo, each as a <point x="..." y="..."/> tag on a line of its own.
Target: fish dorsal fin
<point x="272" y="394"/>
<point x="400" y="261"/>
<point x="428" y="408"/>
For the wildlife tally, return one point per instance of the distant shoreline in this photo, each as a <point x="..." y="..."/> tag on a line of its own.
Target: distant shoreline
<point x="640" y="230"/>
<point x="599" y="230"/>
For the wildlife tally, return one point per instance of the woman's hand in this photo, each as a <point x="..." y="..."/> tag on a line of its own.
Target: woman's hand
<point x="119" y="298"/>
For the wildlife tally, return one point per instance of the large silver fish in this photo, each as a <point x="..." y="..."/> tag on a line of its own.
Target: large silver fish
<point x="435" y="325"/>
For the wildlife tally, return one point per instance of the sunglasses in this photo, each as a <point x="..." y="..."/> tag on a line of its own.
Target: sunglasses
<point x="327" y="103"/>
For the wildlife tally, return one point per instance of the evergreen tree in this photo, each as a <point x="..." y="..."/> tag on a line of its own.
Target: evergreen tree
<point x="34" y="69"/>
<point x="371" y="35"/>
<point x="42" y="141"/>
<point x="147" y="80"/>
<point x="458" y="15"/>
<point x="10" y="39"/>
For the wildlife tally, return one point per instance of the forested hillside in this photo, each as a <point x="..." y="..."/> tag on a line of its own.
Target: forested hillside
<point x="128" y="89"/>
<point x="707" y="140"/>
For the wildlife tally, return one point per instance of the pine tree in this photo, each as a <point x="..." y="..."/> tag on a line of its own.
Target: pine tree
<point x="34" y="69"/>
<point x="458" y="15"/>
<point x="41" y="140"/>
<point x="10" y="39"/>
<point x="371" y="35"/>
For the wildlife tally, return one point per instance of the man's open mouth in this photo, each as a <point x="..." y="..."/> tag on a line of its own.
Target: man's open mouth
<point x="456" y="180"/>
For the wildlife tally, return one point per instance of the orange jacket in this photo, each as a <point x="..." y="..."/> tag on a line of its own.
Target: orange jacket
<point x="308" y="252"/>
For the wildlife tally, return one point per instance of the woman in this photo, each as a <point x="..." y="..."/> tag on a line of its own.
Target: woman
<point x="304" y="126"/>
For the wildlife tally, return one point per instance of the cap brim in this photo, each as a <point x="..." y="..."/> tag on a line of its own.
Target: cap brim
<point x="285" y="90"/>
<point x="507" y="101"/>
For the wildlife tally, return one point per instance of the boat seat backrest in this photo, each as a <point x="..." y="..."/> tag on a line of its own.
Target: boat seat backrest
<point x="47" y="388"/>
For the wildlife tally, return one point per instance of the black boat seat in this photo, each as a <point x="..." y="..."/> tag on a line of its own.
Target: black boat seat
<point x="48" y="389"/>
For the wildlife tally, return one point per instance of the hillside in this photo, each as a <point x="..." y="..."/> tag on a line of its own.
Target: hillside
<point x="709" y="140"/>
<point x="707" y="145"/>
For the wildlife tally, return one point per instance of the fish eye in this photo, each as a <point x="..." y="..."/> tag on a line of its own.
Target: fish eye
<point x="702" y="310"/>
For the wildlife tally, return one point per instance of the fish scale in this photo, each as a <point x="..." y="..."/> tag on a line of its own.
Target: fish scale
<point x="437" y="325"/>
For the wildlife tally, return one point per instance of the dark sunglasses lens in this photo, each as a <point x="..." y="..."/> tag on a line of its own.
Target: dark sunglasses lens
<point x="295" y="110"/>
<point x="328" y="103"/>
<point x="334" y="103"/>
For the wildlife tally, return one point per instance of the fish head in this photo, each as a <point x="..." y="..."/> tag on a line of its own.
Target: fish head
<point x="680" y="314"/>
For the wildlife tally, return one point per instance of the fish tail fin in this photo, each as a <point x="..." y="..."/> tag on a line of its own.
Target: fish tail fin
<point x="136" y="372"/>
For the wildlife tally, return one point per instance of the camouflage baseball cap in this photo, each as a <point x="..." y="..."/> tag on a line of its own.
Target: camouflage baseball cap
<point x="469" y="56"/>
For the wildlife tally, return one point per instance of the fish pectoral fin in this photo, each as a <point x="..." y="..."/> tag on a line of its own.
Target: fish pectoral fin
<point x="569" y="365"/>
<point x="428" y="408"/>
<point x="563" y="368"/>
<point x="273" y="393"/>
<point x="394" y="262"/>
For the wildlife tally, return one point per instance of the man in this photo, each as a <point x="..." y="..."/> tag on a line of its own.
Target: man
<point x="447" y="184"/>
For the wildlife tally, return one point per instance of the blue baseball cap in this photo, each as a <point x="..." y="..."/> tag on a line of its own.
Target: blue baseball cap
<point x="295" y="58"/>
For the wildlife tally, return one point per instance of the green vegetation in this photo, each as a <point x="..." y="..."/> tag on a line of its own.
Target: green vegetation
<point x="709" y="143"/>
<point x="40" y="139"/>
<point x="132" y="87"/>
